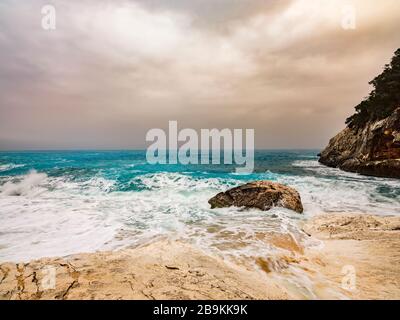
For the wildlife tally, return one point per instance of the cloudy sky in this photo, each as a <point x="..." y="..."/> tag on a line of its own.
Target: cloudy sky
<point x="112" y="70"/>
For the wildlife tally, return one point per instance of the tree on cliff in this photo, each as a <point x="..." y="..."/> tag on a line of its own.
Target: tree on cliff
<point x="383" y="100"/>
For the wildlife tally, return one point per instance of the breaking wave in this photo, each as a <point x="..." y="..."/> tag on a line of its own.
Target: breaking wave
<point x="24" y="186"/>
<point x="325" y="189"/>
<point x="11" y="166"/>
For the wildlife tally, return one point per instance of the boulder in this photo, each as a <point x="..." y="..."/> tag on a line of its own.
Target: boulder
<point x="259" y="194"/>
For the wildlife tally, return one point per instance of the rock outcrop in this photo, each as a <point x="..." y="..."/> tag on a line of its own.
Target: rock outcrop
<point x="370" y="144"/>
<point x="259" y="194"/>
<point x="373" y="149"/>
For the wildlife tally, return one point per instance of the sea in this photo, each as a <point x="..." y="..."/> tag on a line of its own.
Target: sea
<point x="57" y="203"/>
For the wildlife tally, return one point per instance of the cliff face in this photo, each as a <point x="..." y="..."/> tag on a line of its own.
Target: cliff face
<point x="370" y="144"/>
<point x="373" y="149"/>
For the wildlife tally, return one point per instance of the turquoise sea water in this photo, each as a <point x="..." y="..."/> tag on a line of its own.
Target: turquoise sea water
<point x="59" y="203"/>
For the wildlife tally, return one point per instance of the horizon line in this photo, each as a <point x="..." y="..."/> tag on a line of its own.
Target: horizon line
<point x="141" y="149"/>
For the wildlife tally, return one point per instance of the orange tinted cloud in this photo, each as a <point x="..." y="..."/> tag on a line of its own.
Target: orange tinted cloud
<point x="113" y="70"/>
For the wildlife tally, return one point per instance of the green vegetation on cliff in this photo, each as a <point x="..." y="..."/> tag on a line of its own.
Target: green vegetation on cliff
<point x="383" y="100"/>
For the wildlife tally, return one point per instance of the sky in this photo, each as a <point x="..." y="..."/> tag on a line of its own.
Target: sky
<point x="292" y="70"/>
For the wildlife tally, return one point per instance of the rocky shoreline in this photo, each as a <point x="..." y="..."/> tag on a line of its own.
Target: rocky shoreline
<point x="373" y="150"/>
<point x="174" y="270"/>
<point x="370" y="144"/>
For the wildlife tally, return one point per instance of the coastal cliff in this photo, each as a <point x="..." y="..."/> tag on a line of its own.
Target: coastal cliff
<point x="370" y="144"/>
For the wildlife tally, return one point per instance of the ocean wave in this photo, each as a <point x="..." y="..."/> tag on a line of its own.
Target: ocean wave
<point x="109" y="209"/>
<point x="10" y="166"/>
<point x="327" y="189"/>
<point x="317" y="167"/>
<point x="306" y="164"/>
<point x="25" y="185"/>
<point x="179" y="182"/>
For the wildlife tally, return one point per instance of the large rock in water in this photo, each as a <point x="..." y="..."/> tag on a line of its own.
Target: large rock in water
<point x="372" y="150"/>
<point x="259" y="194"/>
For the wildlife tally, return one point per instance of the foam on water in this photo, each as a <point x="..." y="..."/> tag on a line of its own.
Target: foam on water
<point x="39" y="213"/>
<point x="332" y="190"/>
<point x="10" y="166"/>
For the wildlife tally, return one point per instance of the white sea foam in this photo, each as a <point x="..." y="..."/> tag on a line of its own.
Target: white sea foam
<point x="10" y="166"/>
<point x="91" y="215"/>
<point x="181" y="182"/>
<point x="68" y="216"/>
<point x="332" y="190"/>
<point x="46" y="216"/>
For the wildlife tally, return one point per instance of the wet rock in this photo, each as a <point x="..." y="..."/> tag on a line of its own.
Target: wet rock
<point x="259" y="194"/>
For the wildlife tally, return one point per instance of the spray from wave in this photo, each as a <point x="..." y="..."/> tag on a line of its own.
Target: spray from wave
<point x="25" y="185"/>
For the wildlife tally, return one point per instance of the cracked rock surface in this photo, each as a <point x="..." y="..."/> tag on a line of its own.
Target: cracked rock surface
<point x="161" y="270"/>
